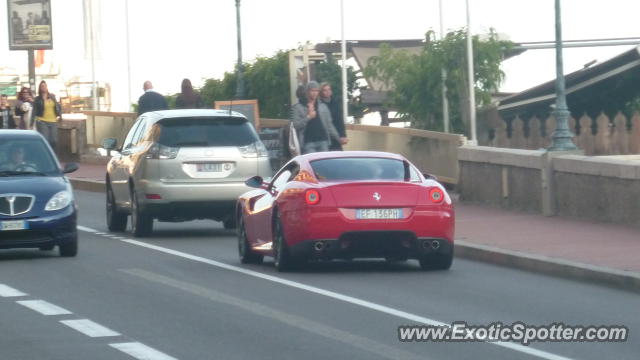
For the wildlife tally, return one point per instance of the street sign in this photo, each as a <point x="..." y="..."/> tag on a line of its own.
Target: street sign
<point x="29" y="24"/>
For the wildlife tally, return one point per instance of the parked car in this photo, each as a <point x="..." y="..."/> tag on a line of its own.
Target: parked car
<point x="345" y="205"/>
<point x="37" y="208"/>
<point x="181" y="165"/>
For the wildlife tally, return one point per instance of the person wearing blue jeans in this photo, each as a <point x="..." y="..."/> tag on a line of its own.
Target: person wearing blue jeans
<point x="47" y="112"/>
<point x="312" y="120"/>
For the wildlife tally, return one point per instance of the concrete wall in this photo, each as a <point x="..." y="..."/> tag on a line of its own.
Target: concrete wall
<point x="432" y="152"/>
<point x="599" y="188"/>
<point x="506" y="178"/>
<point x="102" y="125"/>
<point x="593" y="188"/>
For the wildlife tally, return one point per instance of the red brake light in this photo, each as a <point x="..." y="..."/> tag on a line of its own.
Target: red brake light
<point x="312" y="197"/>
<point x="436" y="195"/>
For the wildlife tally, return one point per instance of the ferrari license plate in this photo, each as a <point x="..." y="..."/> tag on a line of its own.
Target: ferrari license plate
<point x="379" y="214"/>
<point x="209" y="167"/>
<point x="13" y="225"/>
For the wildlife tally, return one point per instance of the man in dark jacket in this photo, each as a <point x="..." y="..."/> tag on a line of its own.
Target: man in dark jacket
<point x="335" y="106"/>
<point x="151" y="100"/>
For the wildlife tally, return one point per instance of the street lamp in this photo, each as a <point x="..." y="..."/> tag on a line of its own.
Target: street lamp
<point x="240" y="92"/>
<point x="561" y="137"/>
<point x="471" y="80"/>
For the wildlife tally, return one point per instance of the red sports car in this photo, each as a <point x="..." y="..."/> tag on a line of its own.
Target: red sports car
<point x="345" y="205"/>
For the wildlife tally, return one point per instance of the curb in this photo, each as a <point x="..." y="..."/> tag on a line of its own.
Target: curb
<point x="572" y="270"/>
<point x="567" y="269"/>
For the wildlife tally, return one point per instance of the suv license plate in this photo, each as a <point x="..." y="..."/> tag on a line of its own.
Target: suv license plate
<point x="14" y="225"/>
<point x="379" y="214"/>
<point x="209" y="167"/>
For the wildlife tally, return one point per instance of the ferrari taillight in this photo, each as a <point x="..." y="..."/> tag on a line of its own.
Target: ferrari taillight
<point x="436" y="195"/>
<point x="312" y="197"/>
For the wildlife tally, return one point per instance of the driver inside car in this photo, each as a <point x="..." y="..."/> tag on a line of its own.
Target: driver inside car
<point x="17" y="160"/>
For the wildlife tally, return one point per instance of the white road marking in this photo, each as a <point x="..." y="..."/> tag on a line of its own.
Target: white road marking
<point x="86" y="229"/>
<point x="7" y="291"/>
<point x="89" y="328"/>
<point x="43" y="307"/>
<point x="346" y="298"/>
<point x="141" y="351"/>
<point x="299" y="322"/>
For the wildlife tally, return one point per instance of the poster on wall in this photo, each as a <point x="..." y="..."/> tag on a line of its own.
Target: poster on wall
<point x="29" y="24"/>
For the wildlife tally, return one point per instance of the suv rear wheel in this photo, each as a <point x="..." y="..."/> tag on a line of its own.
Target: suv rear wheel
<point x="116" y="220"/>
<point x="141" y="223"/>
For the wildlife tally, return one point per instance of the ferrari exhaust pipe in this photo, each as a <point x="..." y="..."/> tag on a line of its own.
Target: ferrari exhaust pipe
<point x="318" y="246"/>
<point x="433" y="244"/>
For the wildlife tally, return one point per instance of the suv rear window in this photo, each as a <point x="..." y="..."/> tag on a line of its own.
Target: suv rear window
<point x="199" y="131"/>
<point x="360" y="168"/>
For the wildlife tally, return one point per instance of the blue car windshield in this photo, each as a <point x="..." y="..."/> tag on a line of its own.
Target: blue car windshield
<point x="26" y="156"/>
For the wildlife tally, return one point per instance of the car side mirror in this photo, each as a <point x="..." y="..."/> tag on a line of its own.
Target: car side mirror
<point x="110" y="144"/>
<point x="70" y="167"/>
<point x="255" y="182"/>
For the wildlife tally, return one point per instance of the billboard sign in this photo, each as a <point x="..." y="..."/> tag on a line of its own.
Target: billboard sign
<point x="29" y="24"/>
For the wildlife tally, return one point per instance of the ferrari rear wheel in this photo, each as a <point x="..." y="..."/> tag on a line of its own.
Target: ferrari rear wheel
<point x="437" y="261"/>
<point x="282" y="259"/>
<point x="247" y="256"/>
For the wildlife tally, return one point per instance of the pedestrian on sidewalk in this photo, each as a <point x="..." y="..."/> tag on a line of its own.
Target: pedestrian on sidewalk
<point x="5" y="113"/>
<point x="24" y="108"/>
<point x="150" y="100"/>
<point x="188" y="98"/>
<point x="335" y="106"/>
<point x="47" y="113"/>
<point x="312" y="119"/>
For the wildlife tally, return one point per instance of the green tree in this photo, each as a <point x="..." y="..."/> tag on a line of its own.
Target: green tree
<point x="216" y="89"/>
<point x="329" y="71"/>
<point x="417" y="82"/>
<point x="267" y="80"/>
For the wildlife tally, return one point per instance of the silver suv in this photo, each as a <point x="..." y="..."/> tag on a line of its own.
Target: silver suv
<point x="181" y="165"/>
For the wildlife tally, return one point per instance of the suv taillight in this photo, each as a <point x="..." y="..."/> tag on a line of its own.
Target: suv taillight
<point x="161" y="152"/>
<point x="257" y="149"/>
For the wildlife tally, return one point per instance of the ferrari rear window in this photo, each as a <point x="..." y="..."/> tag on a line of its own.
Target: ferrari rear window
<point x="359" y="168"/>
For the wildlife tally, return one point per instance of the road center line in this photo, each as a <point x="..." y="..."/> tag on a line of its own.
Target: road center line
<point x="8" y="291"/>
<point x="141" y="351"/>
<point x="89" y="328"/>
<point x="44" y="307"/>
<point x="331" y="294"/>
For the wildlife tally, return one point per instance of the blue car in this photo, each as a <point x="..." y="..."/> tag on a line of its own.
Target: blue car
<point x="37" y="209"/>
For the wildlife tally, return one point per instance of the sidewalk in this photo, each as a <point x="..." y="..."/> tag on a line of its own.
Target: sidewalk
<point x="597" y="252"/>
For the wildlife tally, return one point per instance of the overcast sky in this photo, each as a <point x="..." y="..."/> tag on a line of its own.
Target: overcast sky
<point x="171" y="40"/>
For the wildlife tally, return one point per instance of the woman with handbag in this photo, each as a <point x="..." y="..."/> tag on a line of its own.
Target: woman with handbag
<point x="24" y="108"/>
<point x="47" y="112"/>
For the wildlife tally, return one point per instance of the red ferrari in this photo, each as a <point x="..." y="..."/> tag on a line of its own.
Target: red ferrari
<point x="345" y="205"/>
